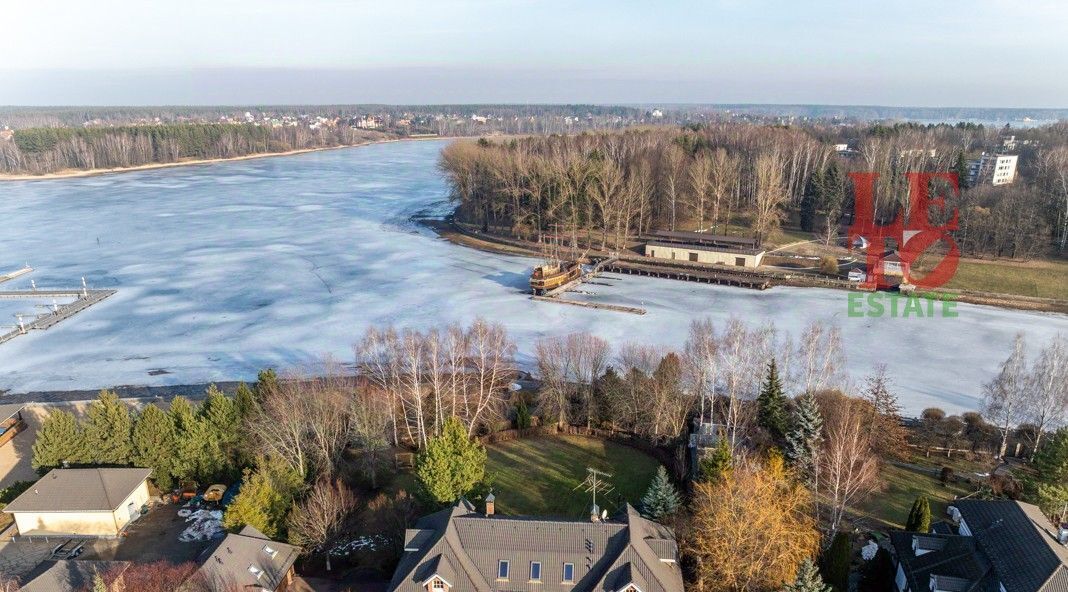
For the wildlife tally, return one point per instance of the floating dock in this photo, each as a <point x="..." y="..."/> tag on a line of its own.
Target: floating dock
<point x="82" y="297"/>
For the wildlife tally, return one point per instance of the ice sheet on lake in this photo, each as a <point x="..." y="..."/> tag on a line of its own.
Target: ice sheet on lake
<point x="226" y="268"/>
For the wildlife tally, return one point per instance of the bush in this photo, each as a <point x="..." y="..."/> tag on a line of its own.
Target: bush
<point x="836" y="561"/>
<point x="946" y="475"/>
<point x="9" y="493"/>
<point x="829" y="265"/>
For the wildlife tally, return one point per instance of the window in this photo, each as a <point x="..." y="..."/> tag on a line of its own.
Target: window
<point x="535" y="571"/>
<point x="693" y="256"/>
<point x="437" y="584"/>
<point x="502" y="570"/>
<point x="252" y="569"/>
<point x="569" y="573"/>
<point x="270" y="551"/>
<point x="739" y="261"/>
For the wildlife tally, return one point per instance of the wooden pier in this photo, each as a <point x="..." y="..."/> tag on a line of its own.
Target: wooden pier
<point x="690" y="274"/>
<point x="14" y="274"/>
<point x="81" y="299"/>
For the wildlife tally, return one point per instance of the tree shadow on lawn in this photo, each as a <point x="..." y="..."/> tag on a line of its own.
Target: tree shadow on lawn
<point x="542" y="476"/>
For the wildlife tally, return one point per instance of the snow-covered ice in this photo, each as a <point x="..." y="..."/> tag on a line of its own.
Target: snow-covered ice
<point x="225" y="268"/>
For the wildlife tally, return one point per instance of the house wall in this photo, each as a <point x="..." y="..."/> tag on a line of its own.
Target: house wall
<point x="138" y="498"/>
<point x="83" y="523"/>
<point x="680" y="253"/>
<point x="80" y="523"/>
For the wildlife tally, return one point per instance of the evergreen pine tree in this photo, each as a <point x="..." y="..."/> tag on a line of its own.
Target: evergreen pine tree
<point x="245" y="401"/>
<point x="808" y="579"/>
<point x="771" y="405"/>
<point x="833" y="190"/>
<point x="719" y="463"/>
<point x="196" y="453"/>
<point x="920" y="516"/>
<point x="1051" y="460"/>
<point x="661" y="499"/>
<point x="961" y="168"/>
<point x="878" y="574"/>
<point x="836" y="561"/>
<point x="58" y="440"/>
<point x="452" y="463"/>
<point x="220" y="414"/>
<point x="153" y="445"/>
<point x="810" y="201"/>
<point x="266" y="381"/>
<point x="108" y="430"/>
<point x="803" y="441"/>
<point x="265" y="498"/>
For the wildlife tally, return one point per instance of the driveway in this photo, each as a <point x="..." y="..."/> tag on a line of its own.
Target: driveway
<point x="19" y="559"/>
<point x="152" y="537"/>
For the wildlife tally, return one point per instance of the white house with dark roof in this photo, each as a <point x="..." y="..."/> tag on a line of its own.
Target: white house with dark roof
<point x="994" y="546"/>
<point x="461" y="550"/>
<point x="81" y="502"/>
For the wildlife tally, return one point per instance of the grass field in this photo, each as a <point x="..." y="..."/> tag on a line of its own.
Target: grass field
<point x="538" y="476"/>
<point x="890" y="508"/>
<point x="1044" y="279"/>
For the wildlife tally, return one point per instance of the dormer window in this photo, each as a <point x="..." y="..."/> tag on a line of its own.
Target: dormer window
<point x="437" y="584"/>
<point x="270" y="551"/>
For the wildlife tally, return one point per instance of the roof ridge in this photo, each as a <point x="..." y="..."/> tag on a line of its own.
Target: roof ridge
<point x="104" y="486"/>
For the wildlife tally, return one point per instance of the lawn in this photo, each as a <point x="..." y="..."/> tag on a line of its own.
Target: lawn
<point x="890" y="508"/>
<point x="1041" y="278"/>
<point x="539" y="476"/>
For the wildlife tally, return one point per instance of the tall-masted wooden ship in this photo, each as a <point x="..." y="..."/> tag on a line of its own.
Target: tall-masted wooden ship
<point x="555" y="272"/>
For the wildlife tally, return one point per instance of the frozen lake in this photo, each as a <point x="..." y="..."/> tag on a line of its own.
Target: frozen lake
<point x="226" y="268"/>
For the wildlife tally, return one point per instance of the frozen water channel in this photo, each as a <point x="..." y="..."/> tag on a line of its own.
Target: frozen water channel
<point x="226" y="268"/>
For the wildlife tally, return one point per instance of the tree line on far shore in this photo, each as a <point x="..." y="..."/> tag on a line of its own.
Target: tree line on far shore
<point x="50" y="149"/>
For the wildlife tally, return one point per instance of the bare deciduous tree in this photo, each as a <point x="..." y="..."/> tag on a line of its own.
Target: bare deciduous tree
<point x="1004" y="397"/>
<point x="321" y="516"/>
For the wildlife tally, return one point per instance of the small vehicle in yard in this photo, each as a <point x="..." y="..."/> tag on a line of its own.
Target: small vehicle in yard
<point x="215" y="493"/>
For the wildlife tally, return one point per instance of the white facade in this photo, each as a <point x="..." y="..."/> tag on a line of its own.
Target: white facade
<point x="994" y="169"/>
<point x="84" y="523"/>
<point x="696" y="254"/>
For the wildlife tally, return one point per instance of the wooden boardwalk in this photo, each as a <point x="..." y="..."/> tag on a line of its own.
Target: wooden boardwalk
<point x="83" y="299"/>
<point x="691" y="274"/>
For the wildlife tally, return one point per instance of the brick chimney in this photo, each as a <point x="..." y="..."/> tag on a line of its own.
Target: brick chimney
<point x="490" y="499"/>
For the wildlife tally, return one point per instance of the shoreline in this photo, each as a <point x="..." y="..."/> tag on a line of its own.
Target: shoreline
<point x="449" y="230"/>
<point x="76" y="173"/>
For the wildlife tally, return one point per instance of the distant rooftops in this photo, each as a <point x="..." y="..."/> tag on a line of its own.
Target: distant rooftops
<point x="80" y="490"/>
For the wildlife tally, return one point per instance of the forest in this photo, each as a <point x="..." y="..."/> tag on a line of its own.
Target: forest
<point x="45" y="150"/>
<point x="608" y="188"/>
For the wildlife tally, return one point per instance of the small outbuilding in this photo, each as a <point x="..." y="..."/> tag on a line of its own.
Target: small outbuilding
<point x="81" y="502"/>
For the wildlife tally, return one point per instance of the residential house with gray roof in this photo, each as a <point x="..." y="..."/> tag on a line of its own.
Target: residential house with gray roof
<point x="97" y="502"/>
<point x="461" y="550"/>
<point x="248" y="560"/>
<point x="997" y="546"/>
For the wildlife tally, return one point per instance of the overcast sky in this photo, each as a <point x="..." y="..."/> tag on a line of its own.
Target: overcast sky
<point x="885" y="52"/>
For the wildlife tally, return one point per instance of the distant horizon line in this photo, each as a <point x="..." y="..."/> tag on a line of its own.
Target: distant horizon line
<point x="636" y="104"/>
